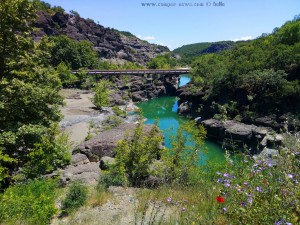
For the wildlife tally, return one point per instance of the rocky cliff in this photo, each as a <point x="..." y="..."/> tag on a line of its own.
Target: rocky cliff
<point x="109" y="43"/>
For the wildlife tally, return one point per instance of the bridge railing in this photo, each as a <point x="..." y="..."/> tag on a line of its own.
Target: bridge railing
<point x="138" y="72"/>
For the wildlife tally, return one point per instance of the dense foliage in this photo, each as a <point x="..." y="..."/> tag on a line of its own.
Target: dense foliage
<point x="100" y="99"/>
<point x="139" y="156"/>
<point x="46" y="7"/>
<point x="29" y="99"/>
<point x="134" y="155"/>
<point x="28" y="203"/>
<point x="166" y="61"/>
<point x="188" y="53"/>
<point x="255" y="74"/>
<point x="73" y="53"/>
<point x="76" y="197"/>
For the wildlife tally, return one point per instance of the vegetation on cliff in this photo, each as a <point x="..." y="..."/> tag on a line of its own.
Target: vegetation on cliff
<point x="260" y="77"/>
<point x="188" y="53"/>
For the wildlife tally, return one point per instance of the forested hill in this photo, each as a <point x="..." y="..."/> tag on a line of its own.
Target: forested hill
<point x="189" y="52"/>
<point x="253" y="79"/>
<point x="111" y="44"/>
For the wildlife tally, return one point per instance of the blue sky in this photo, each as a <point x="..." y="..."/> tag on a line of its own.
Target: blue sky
<point x="177" y="25"/>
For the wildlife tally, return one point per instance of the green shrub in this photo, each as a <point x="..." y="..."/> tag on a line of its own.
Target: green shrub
<point x="135" y="154"/>
<point x="28" y="203"/>
<point x="100" y="98"/>
<point x="75" y="198"/>
<point x="118" y="111"/>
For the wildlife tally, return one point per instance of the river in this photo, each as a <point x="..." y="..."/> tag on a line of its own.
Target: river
<point x="164" y="109"/>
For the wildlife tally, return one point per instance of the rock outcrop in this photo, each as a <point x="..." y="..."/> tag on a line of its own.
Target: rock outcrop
<point x="81" y="168"/>
<point x="238" y="135"/>
<point x="140" y="89"/>
<point x="109" y="43"/>
<point x="105" y="143"/>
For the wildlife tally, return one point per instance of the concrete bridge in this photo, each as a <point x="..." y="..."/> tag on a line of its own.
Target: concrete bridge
<point x="148" y="73"/>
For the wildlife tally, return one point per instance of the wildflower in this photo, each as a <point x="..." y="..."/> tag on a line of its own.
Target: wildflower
<point x="259" y="189"/>
<point x="246" y="183"/>
<point x="220" y="199"/>
<point x="218" y="173"/>
<point x="290" y="176"/>
<point x="227" y="184"/>
<point x="169" y="199"/>
<point x="183" y="209"/>
<point x="250" y="200"/>
<point x="226" y="175"/>
<point x="224" y="210"/>
<point x="243" y="204"/>
<point x="219" y="180"/>
<point x="269" y="164"/>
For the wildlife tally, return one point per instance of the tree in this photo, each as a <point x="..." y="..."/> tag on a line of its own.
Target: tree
<point x="29" y="99"/>
<point x="183" y="158"/>
<point x="100" y="98"/>
<point x="75" y="54"/>
<point x="14" y="32"/>
<point x="165" y="61"/>
<point x="135" y="154"/>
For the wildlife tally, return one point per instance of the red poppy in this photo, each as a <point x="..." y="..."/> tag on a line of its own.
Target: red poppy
<point x="220" y="199"/>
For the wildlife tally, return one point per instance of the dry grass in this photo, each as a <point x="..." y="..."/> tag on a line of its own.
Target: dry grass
<point x="98" y="198"/>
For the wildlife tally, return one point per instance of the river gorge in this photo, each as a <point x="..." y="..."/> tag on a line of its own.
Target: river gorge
<point x="164" y="109"/>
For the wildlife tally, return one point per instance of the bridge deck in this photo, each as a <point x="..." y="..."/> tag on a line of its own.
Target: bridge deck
<point x="138" y="72"/>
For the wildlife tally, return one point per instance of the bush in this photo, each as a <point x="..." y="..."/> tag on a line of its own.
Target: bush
<point x="28" y="203"/>
<point x="76" y="197"/>
<point x="135" y="154"/>
<point x="100" y="98"/>
<point x="118" y="111"/>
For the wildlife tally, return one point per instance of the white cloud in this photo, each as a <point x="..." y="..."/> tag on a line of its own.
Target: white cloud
<point x="147" y="38"/>
<point x="243" y="38"/>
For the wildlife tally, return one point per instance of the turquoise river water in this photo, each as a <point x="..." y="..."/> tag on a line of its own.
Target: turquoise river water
<point x="165" y="110"/>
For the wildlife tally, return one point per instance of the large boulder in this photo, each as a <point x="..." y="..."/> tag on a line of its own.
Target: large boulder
<point x="234" y="134"/>
<point x="105" y="143"/>
<point x="268" y="155"/>
<point x="184" y="109"/>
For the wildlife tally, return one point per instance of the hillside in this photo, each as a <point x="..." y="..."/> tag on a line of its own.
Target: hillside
<point x="191" y="51"/>
<point x="116" y="46"/>
<point x="256" y="82"/>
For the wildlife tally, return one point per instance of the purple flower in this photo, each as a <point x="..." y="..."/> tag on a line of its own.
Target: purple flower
<point x="219" y="180"/>
<point x="227" y="184"/>
<point x="243" y="204"/>
<point x="269" y="164"/>
<point x="183" y="209"/>
<point x="226" y="175"/>
<point x="259" y="189"/>
<point x="250" y="200"/>
<point x="169" y="199"/>
<point x="246" y="183"/>
<point x="224" y="210"/>
<point x="290" y="176"/>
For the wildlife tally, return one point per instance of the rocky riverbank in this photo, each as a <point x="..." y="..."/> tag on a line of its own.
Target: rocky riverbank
<point x="254" y="133"/>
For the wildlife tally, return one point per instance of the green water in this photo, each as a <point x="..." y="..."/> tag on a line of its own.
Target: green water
<point x="165" y="110"/>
